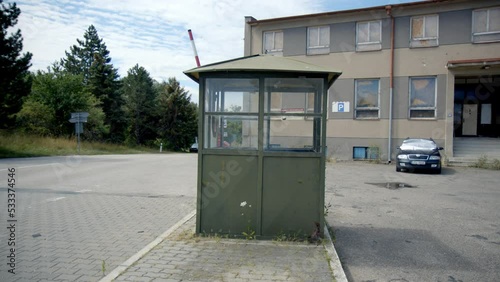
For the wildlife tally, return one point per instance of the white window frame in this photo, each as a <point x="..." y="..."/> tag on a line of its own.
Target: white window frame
<point x="494" y="35"/>
<point x="275" y="50"/>
<point x="356" y="108"/>
<point x="318" y="49"/>
<point x="410" y="108"/>
<point x="424" y="41"/>
<point x="370" y="45"/>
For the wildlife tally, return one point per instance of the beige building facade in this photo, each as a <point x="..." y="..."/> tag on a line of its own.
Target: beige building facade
<point x="428" y="69"/>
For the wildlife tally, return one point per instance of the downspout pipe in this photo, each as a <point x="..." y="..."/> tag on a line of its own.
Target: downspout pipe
<point x="391" y="87"/>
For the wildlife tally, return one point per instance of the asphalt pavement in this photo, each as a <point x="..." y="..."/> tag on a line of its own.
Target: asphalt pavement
<point x="392" y="226"/>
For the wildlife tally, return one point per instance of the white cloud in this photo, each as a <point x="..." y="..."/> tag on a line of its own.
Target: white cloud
<point x="150" y="33"/>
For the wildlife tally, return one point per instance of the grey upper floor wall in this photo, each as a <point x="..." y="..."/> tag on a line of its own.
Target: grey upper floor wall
<point x="454" y="27"/>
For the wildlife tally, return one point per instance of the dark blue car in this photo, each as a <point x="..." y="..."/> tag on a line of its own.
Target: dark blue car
<point x="419" y="154"/>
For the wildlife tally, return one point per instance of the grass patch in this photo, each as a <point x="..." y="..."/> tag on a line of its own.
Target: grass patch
<point x="19" y="145"/>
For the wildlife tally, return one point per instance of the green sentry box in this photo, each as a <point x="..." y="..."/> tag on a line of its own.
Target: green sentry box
<point x="262" y="136"/>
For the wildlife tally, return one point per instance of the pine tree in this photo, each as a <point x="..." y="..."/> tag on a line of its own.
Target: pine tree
<point x="140" y="106"/>
<point x="103" y="84"/>
<point x="90" y="58"/>
<point x="81" y="56"/>
<point x="178" y="116"/>
<point x="15" y="81"/>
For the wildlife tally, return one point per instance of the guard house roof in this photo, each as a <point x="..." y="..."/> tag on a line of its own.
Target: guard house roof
<point x="264" y="63"/>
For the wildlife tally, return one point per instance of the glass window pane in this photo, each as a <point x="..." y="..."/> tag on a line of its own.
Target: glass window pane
<point x="324" y="37"/>
<point x="417" y="25"/>
<point x="231" y="132"/>
<point x="363" y="32"/>
<point x="291" y="135"/>
<point x="278" y="41"/>
<point x="494" y="19"/>
<point x="268" y="41"/>
<point x="431" y="26"/>
<point x="313" y="37"/>
<point x="422" y="92"/>
<point x="480" y="18"/>
<point x="310" y="102"/>
<point x="375" y="32"/>
<point x="366" y="113"/>
<point x="293" y="95"/>
<point x="276" y="102"/>
<point x="422" y="113"/>
<point x="232" y="95"/>
<point x="367" y="92"/>
<point x="293" y="102"/>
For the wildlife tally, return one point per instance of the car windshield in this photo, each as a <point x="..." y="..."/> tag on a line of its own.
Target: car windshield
<point x="418" y="144"/>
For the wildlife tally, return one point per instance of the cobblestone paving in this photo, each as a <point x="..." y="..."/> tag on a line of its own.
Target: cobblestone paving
<point x="68" y="236"/>
<point x="184" y="257"/>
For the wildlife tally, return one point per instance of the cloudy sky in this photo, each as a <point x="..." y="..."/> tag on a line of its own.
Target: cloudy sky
<point x="153" y="33"/>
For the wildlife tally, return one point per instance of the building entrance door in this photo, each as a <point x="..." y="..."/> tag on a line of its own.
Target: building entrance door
<point x="469" y="126"/>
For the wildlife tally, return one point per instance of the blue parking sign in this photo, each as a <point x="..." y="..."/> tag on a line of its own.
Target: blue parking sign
<point x="341" y="107"/>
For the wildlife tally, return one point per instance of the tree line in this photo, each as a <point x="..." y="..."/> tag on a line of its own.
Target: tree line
<point x="134" y="110"/>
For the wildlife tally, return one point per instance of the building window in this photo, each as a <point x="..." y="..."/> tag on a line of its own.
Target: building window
<point x="368" y="36"/>
<point x="318" y="40"/>
<point x="486" y="25"/>
<point x="367" y="92"/>
<point x="424" y="31"/>
<point x="365" y="153"/>
<point x="273" y="42"/>
<point x="422" y="97"/>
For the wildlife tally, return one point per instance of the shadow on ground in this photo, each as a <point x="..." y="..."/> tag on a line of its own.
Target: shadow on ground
<point x="393" y="248"/>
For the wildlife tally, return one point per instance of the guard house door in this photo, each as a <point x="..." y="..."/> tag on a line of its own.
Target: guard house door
<point x="470" y="120"/>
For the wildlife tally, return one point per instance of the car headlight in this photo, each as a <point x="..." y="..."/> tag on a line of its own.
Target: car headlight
<point x="434" y="158"/>
<point x="403" y="157"/>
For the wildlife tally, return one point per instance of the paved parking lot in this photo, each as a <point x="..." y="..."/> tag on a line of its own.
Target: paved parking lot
<point x="80" y="217"/>
<point x="75" y="214"/>
<point x="443" y="228"/>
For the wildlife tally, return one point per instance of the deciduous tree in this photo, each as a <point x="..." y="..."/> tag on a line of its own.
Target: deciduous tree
<point x="54" y="96"/>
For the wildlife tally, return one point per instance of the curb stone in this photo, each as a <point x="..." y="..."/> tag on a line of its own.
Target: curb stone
<point x="338" y="271"/>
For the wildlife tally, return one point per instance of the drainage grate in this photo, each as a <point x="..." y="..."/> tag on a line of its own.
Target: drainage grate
<point x="393" y="185"/>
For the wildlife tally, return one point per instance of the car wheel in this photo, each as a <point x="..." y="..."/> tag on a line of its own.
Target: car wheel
<point x="398" y="169"/>
<point x="437" y="171"/>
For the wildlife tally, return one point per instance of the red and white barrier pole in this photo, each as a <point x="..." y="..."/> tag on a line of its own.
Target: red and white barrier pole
<point x="194" y="48"/>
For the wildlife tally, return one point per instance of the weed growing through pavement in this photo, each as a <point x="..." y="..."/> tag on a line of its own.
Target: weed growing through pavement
<point x="249" y="234"/>
<point x="482" y="162"/>
<point x="327" y="209"/>
<point x="496" y="164"/>
<point x="295" y="236"/>
<point x="103" y="267"/>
